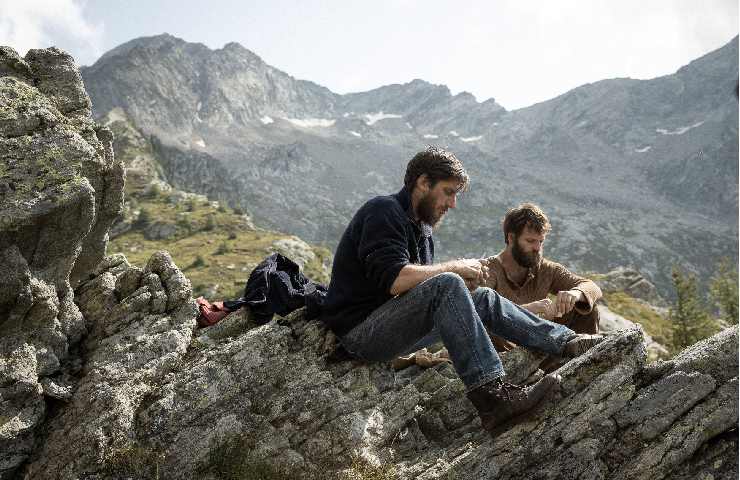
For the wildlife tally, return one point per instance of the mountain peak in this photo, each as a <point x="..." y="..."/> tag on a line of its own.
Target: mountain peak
<point x="238" y="49"/>
<point x="155" y="40"/>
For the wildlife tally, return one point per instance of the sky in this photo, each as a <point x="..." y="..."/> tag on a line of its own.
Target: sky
<point x="519" y="52"/>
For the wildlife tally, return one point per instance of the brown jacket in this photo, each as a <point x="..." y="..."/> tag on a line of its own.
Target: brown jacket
<point x="548" y="277"/>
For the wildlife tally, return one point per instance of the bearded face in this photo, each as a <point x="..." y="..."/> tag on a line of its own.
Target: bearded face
<point x="525" y="255"/>
<point x="433" y="205"/>
<point x="428" y="211"/>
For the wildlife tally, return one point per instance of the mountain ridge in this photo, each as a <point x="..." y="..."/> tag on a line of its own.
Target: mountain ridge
<point x="607" y="151"/>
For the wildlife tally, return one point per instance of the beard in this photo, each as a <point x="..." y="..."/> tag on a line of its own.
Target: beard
<point x="427" y="212"/>
<point x="526" y="260"/>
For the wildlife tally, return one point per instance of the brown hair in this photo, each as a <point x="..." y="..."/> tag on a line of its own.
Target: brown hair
<point x="525" y="215"/>
<point x="438" y="164"/>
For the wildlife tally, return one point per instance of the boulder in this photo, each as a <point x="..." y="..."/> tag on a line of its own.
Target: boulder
<point x="611" y="322"/>
<point x="632" y="282"/>
<point x="60" y="190"/>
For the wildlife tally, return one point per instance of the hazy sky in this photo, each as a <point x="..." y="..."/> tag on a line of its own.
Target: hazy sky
<point x="516" y="51"/>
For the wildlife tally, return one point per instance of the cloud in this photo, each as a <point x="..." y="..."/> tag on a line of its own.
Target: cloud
<point x="45" y="23"/>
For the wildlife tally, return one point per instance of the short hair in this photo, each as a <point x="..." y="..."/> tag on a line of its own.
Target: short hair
<point x="525" y="215"/>
<point x="438" y="164"/>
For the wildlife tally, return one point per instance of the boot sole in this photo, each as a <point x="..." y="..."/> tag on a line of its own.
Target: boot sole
<point x="495" y="431"/>
<point x="498" y="430"/>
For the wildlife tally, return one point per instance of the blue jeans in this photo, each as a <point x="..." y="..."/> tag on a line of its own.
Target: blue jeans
<point x="442" y="308"/>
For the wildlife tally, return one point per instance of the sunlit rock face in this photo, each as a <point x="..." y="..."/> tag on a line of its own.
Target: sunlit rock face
<point x="60" y="190"/>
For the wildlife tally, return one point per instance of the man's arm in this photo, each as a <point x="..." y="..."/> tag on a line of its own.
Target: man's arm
<point x="573" y="291"/>
<point x="471" y="270"/>
<point x="544" y="308"/>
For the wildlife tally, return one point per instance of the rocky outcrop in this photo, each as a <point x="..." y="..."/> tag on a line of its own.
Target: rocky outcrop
<point x="60" y="190"/>
<point x="633" y="283"/>
<point x="612" y="322"/>
<point x="144" y="319"/>
<point x="155" y="396"/>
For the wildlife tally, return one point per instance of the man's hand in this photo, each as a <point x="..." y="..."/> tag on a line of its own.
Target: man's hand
<point x="544" y="308"/>
<point x="473" y="271"/>
<point x="566" y="301"/>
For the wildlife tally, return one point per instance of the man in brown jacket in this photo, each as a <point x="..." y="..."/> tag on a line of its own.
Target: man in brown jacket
<point x="522" y="275"/>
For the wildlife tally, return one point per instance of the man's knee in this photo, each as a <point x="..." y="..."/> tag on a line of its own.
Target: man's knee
<point x="484" y="292"/>
<point x="450" y="281"/>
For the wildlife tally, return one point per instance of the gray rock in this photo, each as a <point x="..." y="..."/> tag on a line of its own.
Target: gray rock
<point x="632" y="282"/>
<point x="60" y="189"/>
<point x="271" y="394"/>
<point x="611" y="322"/>
<point x="160" y="231"/>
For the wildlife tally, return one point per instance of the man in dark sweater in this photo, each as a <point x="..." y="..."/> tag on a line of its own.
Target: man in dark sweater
<point x="387" y="298"/>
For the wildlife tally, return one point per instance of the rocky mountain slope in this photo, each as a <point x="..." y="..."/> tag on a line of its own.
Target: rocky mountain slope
<point x="217" y="246"/>
<point x="633" y="172"/>
<point x="120" y="383"/>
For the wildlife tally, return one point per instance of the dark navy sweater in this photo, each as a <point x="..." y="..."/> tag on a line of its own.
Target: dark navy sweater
<point x="379" y="241"/>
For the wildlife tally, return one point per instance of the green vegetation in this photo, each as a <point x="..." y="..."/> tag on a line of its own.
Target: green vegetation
<point x="690" y="319"/>
<point x="362" y="470"/>
<point x="692" y="316"/>
<point x="210" y="223"/>
<point x="223" y="248"/>
<point x="134" y="461"/>
<point x="654" y="324"/>
<point x="233" y="459"/>
<point x="145" y="218"/>
<point x="723" y="291"/>
<point x="216" y="249"/>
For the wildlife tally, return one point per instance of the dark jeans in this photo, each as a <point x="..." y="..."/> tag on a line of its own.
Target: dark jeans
<point x="578" y="322"/>
<point x="442" y="308"/>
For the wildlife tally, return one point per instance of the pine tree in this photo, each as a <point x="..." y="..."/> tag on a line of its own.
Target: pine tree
<point x="724" y="291"/>
<point x="210" y="223"/>
<point x="144" y="218"/>
<point x="690" y="320"/>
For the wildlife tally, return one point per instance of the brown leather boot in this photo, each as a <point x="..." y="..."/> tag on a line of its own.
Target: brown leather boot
<point x="501" y="405"/>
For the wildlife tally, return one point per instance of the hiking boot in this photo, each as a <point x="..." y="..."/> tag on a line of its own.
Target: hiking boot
<point x="501" y="405"/>
<point x="580" y="344"/>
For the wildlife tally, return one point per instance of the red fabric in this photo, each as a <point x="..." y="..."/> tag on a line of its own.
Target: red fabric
<point x="210" y="313"/>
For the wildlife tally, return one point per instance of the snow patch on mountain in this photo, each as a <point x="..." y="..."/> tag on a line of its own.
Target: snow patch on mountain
<point x="373" y="118"/>
<point x="311" y="122"/>
<point x="454" y="133"/>
<point x="358" y="135"/>
<point x="266" y="120"/>
<point x="197" y="112"/>
<point x="200" y="143"/>
<point x="678" y="131"/>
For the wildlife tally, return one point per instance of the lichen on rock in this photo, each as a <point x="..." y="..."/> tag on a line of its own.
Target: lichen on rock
<point x="60" y="190"/>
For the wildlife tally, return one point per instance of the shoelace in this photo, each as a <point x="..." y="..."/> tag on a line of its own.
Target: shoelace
<point x="507" y="387"/>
